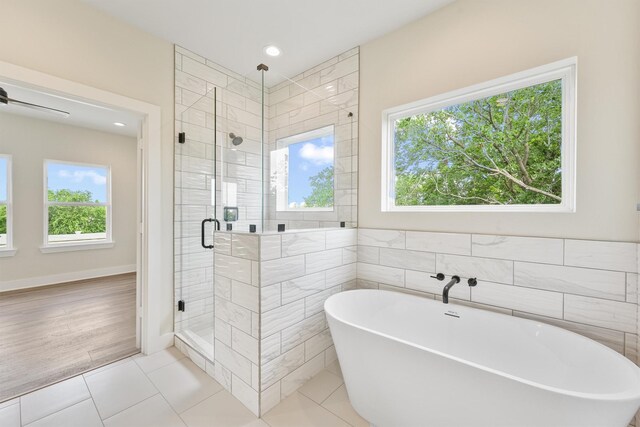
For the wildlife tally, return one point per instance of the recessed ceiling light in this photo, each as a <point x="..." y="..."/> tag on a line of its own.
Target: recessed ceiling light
<point x="119" y="124"/>
<point x="272" y="50"/>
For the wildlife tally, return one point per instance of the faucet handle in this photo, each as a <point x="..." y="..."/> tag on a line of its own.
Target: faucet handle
<point x="439" y="276"/>
<point x="472" y="281"/>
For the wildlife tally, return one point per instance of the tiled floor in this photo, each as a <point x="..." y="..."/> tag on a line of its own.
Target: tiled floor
<point x="165" y="390"/>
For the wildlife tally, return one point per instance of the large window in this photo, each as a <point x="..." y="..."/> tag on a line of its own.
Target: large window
<point x="5" y="205"/>
<point x="504" y="145"/>
<point x="302" y="171"/>
<point x="77" y="203"/>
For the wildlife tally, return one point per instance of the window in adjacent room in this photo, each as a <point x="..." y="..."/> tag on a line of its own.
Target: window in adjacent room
<point x="77" y="203"/>
<point x="302" y="171"/>
<point x="504" y="145"/>
<point x="6" y="220"/>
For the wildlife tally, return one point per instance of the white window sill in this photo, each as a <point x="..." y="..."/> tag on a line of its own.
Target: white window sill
<point x="559" y="208"/>
<point x="7" y="252"/>
<point x="76" y="246"/>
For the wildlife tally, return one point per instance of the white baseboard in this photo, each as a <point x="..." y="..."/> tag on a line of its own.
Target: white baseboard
<point x="32" y="282"/>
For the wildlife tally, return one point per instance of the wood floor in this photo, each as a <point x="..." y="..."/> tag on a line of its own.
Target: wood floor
<point x="51" y="333"/>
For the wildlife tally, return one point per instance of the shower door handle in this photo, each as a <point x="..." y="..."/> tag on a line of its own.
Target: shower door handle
<point x="204" y="221"/>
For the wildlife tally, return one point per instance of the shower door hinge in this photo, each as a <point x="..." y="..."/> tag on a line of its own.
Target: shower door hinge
<point x="181" y="305"/>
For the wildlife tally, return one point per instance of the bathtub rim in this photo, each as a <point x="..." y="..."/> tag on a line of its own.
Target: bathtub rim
<point x="625" y="396"/>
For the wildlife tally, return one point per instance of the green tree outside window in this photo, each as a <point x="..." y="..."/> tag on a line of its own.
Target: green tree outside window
<point x="3" y="219"/>
<point x="500" y="150"/>
<point x="71" y="219"/>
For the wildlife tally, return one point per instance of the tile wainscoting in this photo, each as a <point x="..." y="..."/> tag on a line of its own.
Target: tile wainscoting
<point x="299" y="271"/>
<point x="237" y="316"/>
<point x="588" y="287"/>
<point x="272" y="333"/>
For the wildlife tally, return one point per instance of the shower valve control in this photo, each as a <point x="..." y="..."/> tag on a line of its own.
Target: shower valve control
<point x="438" y="276"/>
<point x="472" y="281"/>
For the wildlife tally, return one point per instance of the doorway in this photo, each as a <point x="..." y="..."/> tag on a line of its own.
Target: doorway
<point x="151" y="302"/>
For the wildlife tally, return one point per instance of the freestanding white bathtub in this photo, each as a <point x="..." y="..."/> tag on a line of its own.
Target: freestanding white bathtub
<point x="409" y="361"/>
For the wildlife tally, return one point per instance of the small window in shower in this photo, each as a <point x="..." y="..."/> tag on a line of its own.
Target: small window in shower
<point x="302" y="171"/>
<point x="77" y="203"/>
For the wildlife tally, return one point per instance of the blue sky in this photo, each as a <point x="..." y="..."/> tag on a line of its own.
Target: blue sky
<point x="3" y="179"/>
<point x="306" y="159"/>
<point x="73" y="177"/>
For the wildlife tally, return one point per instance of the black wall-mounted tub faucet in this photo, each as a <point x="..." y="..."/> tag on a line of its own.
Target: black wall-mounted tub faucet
<point x="445" y="291"/>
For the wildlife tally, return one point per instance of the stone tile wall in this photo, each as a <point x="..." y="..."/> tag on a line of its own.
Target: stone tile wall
<point x="321" y="96"/>
<point x="588" y="287"/>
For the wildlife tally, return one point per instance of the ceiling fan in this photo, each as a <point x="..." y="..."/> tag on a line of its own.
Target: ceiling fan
<point x="4" y="99"/>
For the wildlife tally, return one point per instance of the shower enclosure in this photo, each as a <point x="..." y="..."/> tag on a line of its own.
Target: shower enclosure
<point x="218" y="185"/>
<point x="254" y="154"/>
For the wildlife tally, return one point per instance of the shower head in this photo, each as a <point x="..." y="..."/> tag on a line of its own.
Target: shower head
<point x="235" y="139"/>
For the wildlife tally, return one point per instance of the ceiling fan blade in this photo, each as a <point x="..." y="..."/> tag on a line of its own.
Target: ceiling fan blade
<point x="38" y="107"/>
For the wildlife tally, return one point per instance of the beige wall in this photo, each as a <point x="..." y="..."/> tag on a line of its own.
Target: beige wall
<point x="472" y="41"/>
<point x="71" y="40"/>
<point x="29" y="141"/>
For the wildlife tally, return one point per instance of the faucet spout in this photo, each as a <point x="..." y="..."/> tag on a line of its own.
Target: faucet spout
<point x="445" y="291"/>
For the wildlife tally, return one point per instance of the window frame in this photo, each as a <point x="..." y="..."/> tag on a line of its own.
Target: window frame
<point x="564" y="70"/>
<point x="283" y="194"/>
<point x="8" y="250"/>
<point x="107" y="242"/>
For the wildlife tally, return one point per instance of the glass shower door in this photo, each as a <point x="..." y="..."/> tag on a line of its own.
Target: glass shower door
<point x="219" y="181"/>
<point x="239" y="123"/>
<point x="195" y="217"/>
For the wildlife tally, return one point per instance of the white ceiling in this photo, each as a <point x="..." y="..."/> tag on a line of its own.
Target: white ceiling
<point x="82" y="114"/>
<point x="233" y="33"/>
